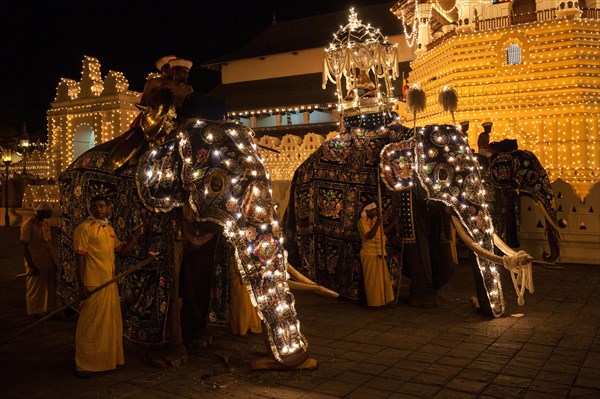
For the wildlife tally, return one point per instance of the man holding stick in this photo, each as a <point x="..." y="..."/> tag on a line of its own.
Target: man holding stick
<point x="99" y="334"/>
<point x="378" y="284"/>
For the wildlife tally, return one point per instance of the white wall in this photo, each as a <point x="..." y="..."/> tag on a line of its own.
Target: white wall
<point x="301" y="62"/>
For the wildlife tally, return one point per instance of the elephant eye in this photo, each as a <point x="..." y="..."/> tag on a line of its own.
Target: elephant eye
<point x="216" y="184"/>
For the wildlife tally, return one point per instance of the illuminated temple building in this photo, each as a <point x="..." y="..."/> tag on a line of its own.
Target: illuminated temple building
<point x="88" y="112"/>
<point x="532" y="68"/>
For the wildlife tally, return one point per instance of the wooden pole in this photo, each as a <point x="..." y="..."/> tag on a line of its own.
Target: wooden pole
<point x="100" y="287"/>
<point x="380" y="216"/>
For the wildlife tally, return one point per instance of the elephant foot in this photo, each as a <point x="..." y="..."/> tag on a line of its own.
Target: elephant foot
<point x="201" y="342"/>
<point x="422" y="301"/>
<point x="474" y="303"/>
<point x="167" y="356"/>
<point x="271" y="364"/>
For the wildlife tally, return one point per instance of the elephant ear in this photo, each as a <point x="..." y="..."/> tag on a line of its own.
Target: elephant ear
<point x="501" y="169"/>
<point x="397" y="164"/>
<point x="449" y="172"/>
<point x="158" y="176"/>
<point x="532" y="178"/>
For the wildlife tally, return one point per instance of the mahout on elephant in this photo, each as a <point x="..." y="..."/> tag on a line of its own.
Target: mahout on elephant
<point x="189" y="172"/>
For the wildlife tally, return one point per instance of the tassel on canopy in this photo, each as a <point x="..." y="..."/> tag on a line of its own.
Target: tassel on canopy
<point x="415" y="99"/>
<point x="448" y="99"/>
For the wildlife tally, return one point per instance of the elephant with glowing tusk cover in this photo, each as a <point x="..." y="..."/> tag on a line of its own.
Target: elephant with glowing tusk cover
<point x="445" y="166"/>
<point x="184" y="175"/>
<point x="508" y="174"/>
<point x="428" y="175"/>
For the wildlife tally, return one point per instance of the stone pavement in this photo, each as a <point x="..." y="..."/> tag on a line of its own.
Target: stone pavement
<point x="551" y="351"/>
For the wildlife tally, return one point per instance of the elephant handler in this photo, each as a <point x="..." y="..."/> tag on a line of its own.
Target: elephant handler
<point x="40" y="266"/>
<point x="179" y="85"/>
<point x="99" y="334"/>
<point x="153" y="85"/>
<point x="378" y="284"/>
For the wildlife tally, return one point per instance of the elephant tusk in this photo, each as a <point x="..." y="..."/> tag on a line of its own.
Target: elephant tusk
<point x="306" y="284"/>
<point x="549" y="220"/>
<point x="299" y="276"/>
<point x="319" y="289"/>
<point x="502" y="246"/>
<point x="475" y="247"/>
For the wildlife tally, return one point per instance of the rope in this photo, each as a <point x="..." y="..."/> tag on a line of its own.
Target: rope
<point x="521" y="274"/>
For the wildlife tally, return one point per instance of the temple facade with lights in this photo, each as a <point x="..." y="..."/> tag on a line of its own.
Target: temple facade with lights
<point x="87" y="112"/>
<point x="531" y="68"/>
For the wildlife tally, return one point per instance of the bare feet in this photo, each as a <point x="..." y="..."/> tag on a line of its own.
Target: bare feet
<point x="167" y="356"/>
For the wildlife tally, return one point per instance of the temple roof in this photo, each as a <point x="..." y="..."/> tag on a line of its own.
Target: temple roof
<point x="310" y="32"/>
<point x="275" y="92"/>
<point x="287" y="91"/>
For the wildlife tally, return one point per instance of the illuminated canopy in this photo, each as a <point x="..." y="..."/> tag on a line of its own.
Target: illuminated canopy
<point x="358" y="53"/>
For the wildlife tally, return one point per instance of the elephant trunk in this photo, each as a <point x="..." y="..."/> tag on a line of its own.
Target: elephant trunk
<point x="553" y="238"/>
<point x="552" y="233"/>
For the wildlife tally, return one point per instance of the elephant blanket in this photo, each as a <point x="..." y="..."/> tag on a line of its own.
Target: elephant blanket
<point x="328" y="193"/>
<point x="145" y="294"/>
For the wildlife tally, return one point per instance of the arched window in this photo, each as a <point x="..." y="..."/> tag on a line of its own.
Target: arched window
<point x="513" y="54"/>
<point x="83" y="140"/>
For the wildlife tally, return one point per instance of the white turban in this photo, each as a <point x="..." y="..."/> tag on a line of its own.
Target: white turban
<point x="372" y="205"/>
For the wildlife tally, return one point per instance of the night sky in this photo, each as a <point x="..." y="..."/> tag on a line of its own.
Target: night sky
<point x="44" y="40"/>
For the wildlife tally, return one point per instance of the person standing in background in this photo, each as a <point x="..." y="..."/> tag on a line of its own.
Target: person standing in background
<point x="40" y="267"/>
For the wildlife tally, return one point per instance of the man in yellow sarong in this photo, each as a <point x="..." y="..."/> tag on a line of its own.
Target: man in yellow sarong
<point x="40" y="267"/>
<point x="378" y="284"/>
<point x="99" y="334"/>
<point x="243" y="316"/>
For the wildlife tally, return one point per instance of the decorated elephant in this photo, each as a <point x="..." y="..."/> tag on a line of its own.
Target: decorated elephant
<point x="175" y="177"/>
<point x="510" y="173"/>
<point x="328" y="193"/>
<point x="430" y="180"/>
<point x="428" y="177"/>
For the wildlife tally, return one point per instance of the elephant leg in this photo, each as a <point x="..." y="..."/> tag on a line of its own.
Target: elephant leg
<point x="429" y="261"/>
<point x="174" y="353"/>
<point x="418" y="267"/>
<point x="440" y="245"/>
<point x="195" y="286"/>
